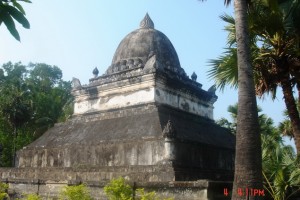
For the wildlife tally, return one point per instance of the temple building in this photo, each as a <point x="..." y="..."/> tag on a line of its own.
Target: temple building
<point x="144" y="119"/>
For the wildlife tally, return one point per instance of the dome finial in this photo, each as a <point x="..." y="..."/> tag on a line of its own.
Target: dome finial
<point x="147" y="22"/>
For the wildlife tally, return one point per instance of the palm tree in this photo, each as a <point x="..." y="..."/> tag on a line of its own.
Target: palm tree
<point x="281" y="171"/>
<point x="275" y="41"/>
<point x="285" y="127"/>
<point x="280" y="165"/>
<point x="248" y="154"/>
<point x="248" y="161"/>
<point x="232" y="109"/>
<point x="280" y="168"/>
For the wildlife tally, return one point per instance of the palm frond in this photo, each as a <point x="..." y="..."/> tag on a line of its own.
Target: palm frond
<point x="224" y="69"/>
<point x="226" y="2"/>
<point x="230" y="29"/>
<point x="295" y="178"/>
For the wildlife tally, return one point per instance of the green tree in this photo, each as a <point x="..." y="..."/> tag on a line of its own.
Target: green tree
<point x="275" y="41"/>
<point x="15" y="102"/>
<point x="280" y="168"/>
<point x="32" y="99"/>
<point x="52" y="99"/>
<point x="11" y="10"/>
<point x="232" y="109"/>
<point x="285" y="126"/>
<point x="280" y="165"/>
<point x="266" y="124"/>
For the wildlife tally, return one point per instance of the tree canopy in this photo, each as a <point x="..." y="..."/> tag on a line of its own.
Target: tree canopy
<point x="33" y="98"/>
<point x="275" y="53"/>
<point x="280" y="168"/>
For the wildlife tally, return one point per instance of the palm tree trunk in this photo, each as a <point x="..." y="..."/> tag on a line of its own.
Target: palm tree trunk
<point x="14" y="145"/>
<point x="248" y="161"/>
<point x="298" y="89"/>
<point x="293" y="112"/>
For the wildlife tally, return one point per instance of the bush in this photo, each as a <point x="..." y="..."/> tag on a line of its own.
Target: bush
<point x="142" y="195"/>
<point x="3" y="191"/>
<point x="117" y="189"/>
<point x="77" y="192"/>
<point x="32" y="197"/>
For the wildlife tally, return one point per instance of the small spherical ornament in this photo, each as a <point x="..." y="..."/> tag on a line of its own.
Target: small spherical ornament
<point x="194" y="76"/>
<point x="96" y="72"/>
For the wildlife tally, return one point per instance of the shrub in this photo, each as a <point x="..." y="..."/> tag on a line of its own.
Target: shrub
<point x="32" y="197"/>
<point x="142" y="195"/>
<point x="77" y="192"/>
<point x="117" y="189"/>
<point x="3" y="191"/>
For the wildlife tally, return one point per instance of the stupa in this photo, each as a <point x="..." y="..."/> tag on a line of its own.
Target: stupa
<point x="143" y="119"/>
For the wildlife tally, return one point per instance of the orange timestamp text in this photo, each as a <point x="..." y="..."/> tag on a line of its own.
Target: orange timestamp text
<point x="247" y="192"/>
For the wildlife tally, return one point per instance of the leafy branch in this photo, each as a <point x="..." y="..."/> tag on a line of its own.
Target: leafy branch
<point x="11" y="10"/>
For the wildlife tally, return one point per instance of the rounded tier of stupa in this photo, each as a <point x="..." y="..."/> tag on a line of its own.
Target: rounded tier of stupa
<point x="140" y="45"/>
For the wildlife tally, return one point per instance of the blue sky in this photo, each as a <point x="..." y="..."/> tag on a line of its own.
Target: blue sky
<point x="77" y="36"/>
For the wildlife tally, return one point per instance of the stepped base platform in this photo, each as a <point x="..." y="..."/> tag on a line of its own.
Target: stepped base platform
<point x="179" y="190"/>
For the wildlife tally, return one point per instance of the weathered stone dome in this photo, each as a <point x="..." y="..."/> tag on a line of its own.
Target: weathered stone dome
<point x="140" y="45"/>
